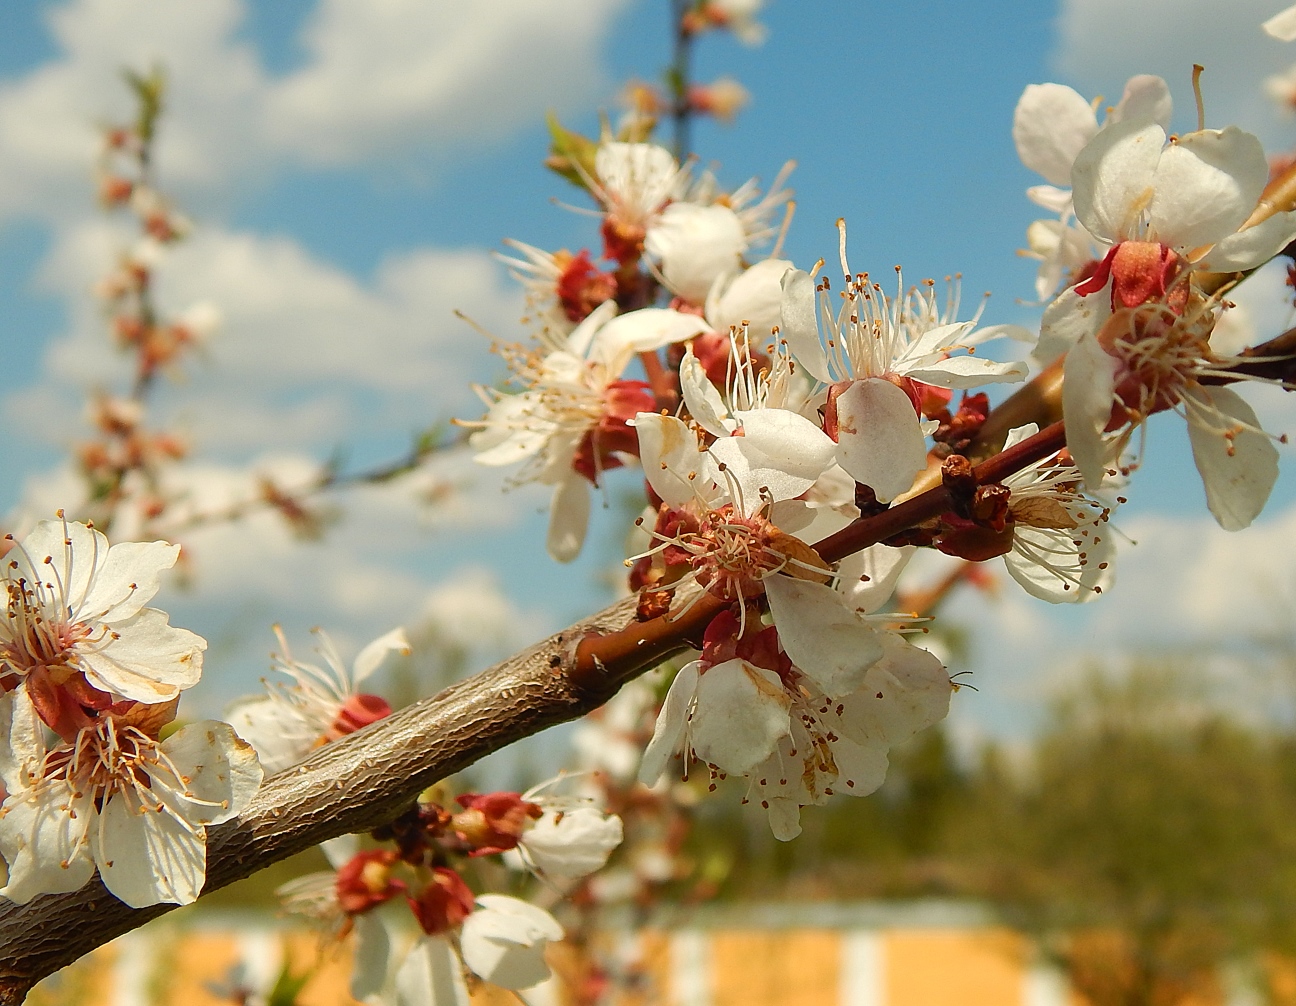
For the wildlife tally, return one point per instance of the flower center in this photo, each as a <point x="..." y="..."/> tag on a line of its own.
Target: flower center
<point x="1159" y="353"/>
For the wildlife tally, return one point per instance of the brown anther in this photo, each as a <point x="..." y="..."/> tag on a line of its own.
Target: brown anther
<point x="990" y="506"/>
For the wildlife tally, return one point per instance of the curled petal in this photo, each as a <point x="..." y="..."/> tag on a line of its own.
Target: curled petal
<point x="1088" y="390"/>
<point x="1207" y="184"/>
<point x="879" y="440"/>
<point x="801" y="325"/>
<point x="826" y="640"/>
<point x="668" y="732"/>
<point x="1113" y="176"/>
<point x="741" y="714"/>
<point x="1051" y="124"/>
<point x="569" y="512"/>
<point x="1238" y="464"/>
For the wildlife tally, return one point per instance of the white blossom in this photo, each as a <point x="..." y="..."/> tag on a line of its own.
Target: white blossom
<point x="119" y="800"/>
<point x="75" y="605"/>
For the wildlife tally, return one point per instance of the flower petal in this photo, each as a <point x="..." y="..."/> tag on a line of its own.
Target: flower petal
<point x="668" y="732"/>
<point x="741" y="714"/>
<point x="1282" y="25"/>
<point x="147" y="856"/>
<point x="1113" y="176"/>
<point x="148" y="660"/>
<point x="879" y="440"/>
<point x="126" y="579"/>
<point x="1238" y="472"/>
<point x="669" y="451"/>
<point x="220" y="772"/>
<point x="569" y="512"/>
<point x="1051" y="124"/>
<point x="45" y="846"/>
<point x="1207" y="184"/>
<point x="704" y="403"/>
<point x="825" y="639"/>
<point x="1069" y="317"/>
<point x="754" y="296"/>
<point x="869" y="577"/>
<point x="504" y="941"/>
<point x="1253" y="246"/>
<point x="430" y="975"/>
<point x="372" y="656"/>
<point x="696" y="245"/>
<point x="801" y="325"/>
<point x="1146" y="99"/>
<point x="969" y="372"/>
<point x="572" y="843"/>
<point x="645" y="330"/>
<point x="1088" y="390"/>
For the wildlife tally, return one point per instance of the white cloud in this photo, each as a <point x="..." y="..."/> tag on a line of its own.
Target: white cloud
<point x="307" y="354"/>
<point x="1103" y="42"/>
<point x="386" y="79"/>
<point x="408" y="73"/>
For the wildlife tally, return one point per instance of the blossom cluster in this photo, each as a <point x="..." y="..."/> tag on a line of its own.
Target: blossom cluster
<point x="90" y="679"/>
<point x="770" y="409"/>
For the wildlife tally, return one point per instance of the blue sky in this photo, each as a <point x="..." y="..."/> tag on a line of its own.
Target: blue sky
<point x="349" y="167"/>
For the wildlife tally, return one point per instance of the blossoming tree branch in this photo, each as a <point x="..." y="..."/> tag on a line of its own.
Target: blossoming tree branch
<point x="802" y="431"/>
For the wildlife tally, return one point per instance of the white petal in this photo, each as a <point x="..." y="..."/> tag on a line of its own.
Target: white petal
<point x="1049" y="197"/>
<point x="669" y="451"/>
<point x="879" y="441"/>
<point x="668" y="732"/>
<point x="1112" y="179"/>
<point x="1088" y="390"/>
<point x="1146" y="99"/>
<point x="148" y="857"/>
<point x="1238" y="475"/>
<point x="907" y="690"/>
<point x="644" y="331"/>
<point x="569" y="512"/>
<point x="704" y="403"/>
<point x="800" y="324"/>
<point x="868" y="578"/>
<point x="696" y="246"/>
<point x="640" y="173"/>
<point x="338" y="851"/>
<point x="1207" y="184"/>
<point x="22" y="739"/>
<point x="220" y="770"/>
<point x="1252" y="247"/>
<point x="515" y="430"/>
<point x="280" y="732"/>
<point x="572" y="843"/>
<point x="370" y="963"/>
<point x="969" y="372"/>
<point x="825" y="639"/>
<point x="582" y="336"/>
<point x="784" y="819"/>
<point x="1282" y="25"/>
<point x="933" y="341"/>
<point x="1068" y="318"/>
<point x="504" y="941"/>
<point x="787" y="441"/>
<point x="148" y="661"/>
<point x="75" y="552"/>
<point x="754" y="296"/>
<point x="372" y="656"/>
<point x="127" y="578"/>
<point x="430" y="975"/>
<point x="741" y="714"/>
<point x="1038" y="581"/>
<point x="1051" y="124"/>
<point x="38" y="836"/>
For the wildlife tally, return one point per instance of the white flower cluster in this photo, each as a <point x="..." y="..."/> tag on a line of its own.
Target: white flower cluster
<point x="90" y="678"/>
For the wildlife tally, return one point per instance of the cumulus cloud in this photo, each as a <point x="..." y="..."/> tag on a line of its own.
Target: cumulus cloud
<point x="307" y="355"/>
<point x="397" y="79"/>
<point x="1100" y="43"/>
